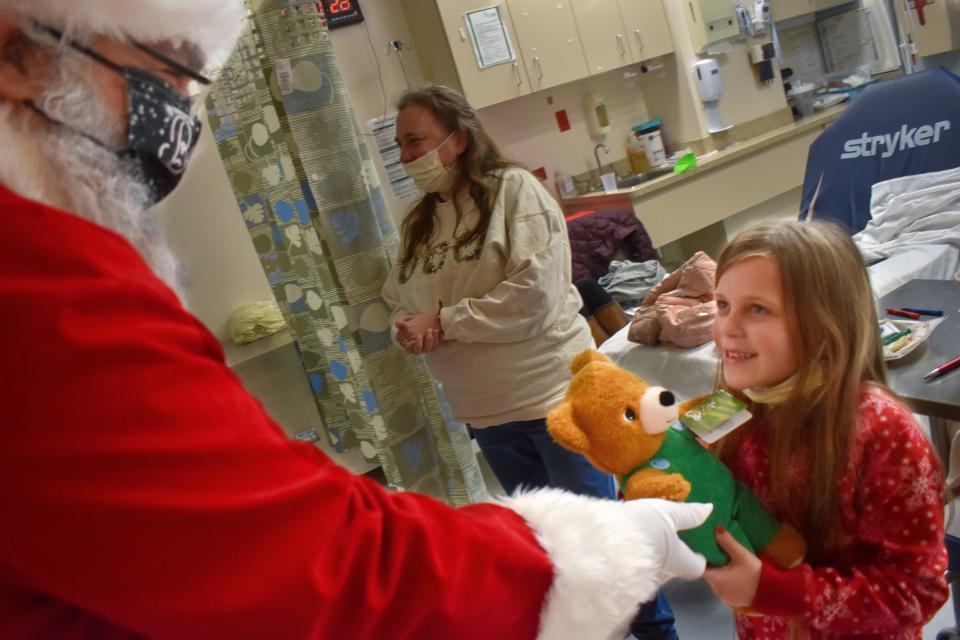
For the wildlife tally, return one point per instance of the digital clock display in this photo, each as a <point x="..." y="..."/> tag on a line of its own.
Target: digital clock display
<point x="340" y="13"/>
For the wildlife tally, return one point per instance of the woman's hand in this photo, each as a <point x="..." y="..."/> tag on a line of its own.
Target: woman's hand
<point x="419" y="333"/>
<point x="736" y="582"/>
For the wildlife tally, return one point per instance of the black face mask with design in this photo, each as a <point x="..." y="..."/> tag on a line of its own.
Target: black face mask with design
<point x="161" y="132"/>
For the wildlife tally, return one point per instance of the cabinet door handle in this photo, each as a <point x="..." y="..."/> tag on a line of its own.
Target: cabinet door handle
<point x="516" y="72"/>
<point x="620" y="45"/>
<point x="639" y="37"/>
<point x="536" y="63"/>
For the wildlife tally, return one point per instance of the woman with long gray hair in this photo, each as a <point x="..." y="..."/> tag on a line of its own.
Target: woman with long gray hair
<point x="482" y="287"/>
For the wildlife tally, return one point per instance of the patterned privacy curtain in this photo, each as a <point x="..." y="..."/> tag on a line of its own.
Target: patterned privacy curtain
<point x="308" y="193"/>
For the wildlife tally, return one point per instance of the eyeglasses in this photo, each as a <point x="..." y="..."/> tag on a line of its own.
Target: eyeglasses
<point x="153" y="53"/>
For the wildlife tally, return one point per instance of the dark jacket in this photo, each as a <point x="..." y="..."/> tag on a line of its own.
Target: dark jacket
<point x="595" y="238"/>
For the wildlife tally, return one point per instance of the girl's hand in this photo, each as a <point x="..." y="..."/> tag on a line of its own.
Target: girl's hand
<point x="736" y="582"/>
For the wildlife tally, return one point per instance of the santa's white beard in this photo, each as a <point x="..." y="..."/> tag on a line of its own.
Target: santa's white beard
<point x="59" y="167"/>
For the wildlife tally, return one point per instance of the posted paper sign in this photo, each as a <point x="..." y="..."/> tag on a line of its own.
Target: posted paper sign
<point x="489" y="34"/>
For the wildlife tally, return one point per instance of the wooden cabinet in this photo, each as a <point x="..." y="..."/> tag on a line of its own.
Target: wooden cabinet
<point x="554" y="42"/>
<point x="446" y="50"/>
<point x="602" y="33"/>
<point x="647" y="33"/>
<point x="620" y="33"/>
<point x="549" y="41"/>
<point x="826" y="4"/>
<point x="786" y="9"/>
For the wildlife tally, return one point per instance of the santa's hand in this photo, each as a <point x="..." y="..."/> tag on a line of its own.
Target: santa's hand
<point x="608" y="557"/>
<point x="680" y="561"/>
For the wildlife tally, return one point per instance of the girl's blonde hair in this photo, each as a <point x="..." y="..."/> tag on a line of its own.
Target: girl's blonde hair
<point x="832" y="318"/>
<point x="476" y="168"/>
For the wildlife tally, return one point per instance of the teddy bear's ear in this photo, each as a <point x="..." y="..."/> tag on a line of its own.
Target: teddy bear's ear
<point x="563" y="428"/>
<point x="587" y="357"/>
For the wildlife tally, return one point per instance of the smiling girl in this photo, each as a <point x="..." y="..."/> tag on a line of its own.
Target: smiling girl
<point x="830" y="449"/>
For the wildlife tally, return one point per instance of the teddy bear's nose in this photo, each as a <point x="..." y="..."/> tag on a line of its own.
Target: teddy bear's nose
<point x="667" y="399"/>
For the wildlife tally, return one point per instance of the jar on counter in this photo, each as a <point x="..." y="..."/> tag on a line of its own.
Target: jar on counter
<point x="637" y="155"/>
<point x="648" y="134"/>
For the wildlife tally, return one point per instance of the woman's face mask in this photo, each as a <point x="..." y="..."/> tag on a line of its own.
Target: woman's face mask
<point x="429" y="173"/>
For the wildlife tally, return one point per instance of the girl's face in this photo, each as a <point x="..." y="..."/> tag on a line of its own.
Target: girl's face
<point x="751" y="330"/>
<point x="419" y="132"/>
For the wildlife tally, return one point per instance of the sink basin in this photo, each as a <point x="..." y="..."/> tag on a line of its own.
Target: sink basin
<point x="637" y="178"/>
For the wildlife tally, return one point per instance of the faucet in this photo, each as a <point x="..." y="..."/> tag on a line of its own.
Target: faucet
<point x="596" y="156"/>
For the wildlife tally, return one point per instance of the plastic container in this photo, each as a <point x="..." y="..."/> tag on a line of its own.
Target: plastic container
<point x="637" y="155"/>
<point x="801" y="99"/>
<point x="565" y="186"/>
<point x="648" y="134"/>
<point x="848" y="83"/>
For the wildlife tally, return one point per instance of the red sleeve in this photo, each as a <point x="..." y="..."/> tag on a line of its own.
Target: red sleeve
<point x="143" y="485"/>
<point x="899" y="525"/>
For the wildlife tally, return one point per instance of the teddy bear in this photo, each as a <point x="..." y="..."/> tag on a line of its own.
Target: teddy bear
<point x="630" y="429"/>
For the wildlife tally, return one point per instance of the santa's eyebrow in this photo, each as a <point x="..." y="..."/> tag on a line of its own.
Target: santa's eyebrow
<point x="189" y="67"/>
<point x="193" y="55"/>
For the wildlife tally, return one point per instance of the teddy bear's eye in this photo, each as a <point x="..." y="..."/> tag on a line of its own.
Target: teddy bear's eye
<point x="629" y="415"/>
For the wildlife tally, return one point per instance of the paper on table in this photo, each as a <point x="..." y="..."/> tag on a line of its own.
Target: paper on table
<point x="921" y="330"/>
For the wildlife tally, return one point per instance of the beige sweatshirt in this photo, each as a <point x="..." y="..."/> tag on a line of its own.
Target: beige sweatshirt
<point x="510" y="313"/>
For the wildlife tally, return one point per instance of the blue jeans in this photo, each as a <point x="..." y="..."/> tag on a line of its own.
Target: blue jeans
<point x="523" y="454"/>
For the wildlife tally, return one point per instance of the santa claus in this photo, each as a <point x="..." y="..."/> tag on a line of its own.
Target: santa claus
<point x="145" y="493"/>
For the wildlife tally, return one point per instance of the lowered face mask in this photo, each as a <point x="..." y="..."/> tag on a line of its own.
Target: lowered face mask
<point x="429" y="173"/>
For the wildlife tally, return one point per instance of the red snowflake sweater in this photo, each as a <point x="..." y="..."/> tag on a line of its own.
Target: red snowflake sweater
<point x="887" y="579"/>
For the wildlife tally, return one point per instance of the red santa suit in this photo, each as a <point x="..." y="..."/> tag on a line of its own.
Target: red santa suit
<point x="146" y="494"/>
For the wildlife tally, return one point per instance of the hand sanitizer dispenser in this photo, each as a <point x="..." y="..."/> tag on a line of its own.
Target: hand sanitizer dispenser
<point x="710" y="85"/>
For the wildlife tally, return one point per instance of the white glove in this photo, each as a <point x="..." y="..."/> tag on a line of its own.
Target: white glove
<point x="609" y="557"/>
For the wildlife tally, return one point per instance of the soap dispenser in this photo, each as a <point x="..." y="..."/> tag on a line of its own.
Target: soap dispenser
<point x="595" y="112"/>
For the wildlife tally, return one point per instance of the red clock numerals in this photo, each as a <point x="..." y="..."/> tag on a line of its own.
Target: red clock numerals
<point x="338" y="6"/>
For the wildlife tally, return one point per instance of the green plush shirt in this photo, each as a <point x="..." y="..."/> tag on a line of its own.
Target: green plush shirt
<point x="734" y="505"/>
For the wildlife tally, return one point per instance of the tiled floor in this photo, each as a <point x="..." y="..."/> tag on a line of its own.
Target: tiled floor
<point x="700" y="616"/>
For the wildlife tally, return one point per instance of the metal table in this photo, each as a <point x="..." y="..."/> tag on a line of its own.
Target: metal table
<point x="938" y="398"/>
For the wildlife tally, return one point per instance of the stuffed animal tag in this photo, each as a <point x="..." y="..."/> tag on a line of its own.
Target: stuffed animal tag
<point x="715" y="416"/>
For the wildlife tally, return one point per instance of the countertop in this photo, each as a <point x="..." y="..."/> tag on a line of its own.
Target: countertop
<point x="712" y="160"/>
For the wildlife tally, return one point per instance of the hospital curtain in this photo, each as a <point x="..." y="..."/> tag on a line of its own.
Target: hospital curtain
<point x="308" y="194"/>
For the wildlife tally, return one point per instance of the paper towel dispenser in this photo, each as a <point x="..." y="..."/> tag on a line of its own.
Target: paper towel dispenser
<point x="710" y="21"/>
